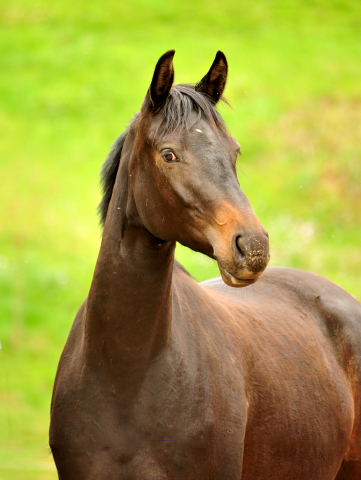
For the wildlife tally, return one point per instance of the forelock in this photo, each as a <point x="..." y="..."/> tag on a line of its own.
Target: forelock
<point x="183" y="100"/>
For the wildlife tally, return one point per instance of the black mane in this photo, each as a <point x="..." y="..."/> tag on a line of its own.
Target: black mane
<point x="109" y="173"/>
<point x="182" y="100"/>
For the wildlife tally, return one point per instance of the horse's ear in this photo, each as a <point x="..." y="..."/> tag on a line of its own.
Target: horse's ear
<point x="214" y="82"/>
<point x="162" y="81"/>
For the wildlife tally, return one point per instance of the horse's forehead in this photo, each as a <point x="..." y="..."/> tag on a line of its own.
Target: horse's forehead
<point x="202" y="133"/>
<point x="198" y="132"/>
<point x="199" y="137"/>
<point x="202" y="128"/>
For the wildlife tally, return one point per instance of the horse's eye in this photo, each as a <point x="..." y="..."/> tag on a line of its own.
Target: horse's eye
<point x="169" y="156"/>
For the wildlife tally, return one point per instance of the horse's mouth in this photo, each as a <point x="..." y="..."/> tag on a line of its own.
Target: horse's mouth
<point x="232" y="281"/>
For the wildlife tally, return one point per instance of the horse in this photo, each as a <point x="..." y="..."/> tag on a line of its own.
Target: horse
<point x="164" y="378"/>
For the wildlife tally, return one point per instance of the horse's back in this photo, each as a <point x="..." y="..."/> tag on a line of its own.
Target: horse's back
<point x="302" y="334"/>
<point x="285" y="293"/>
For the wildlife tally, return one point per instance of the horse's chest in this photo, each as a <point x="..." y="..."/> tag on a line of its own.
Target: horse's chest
<point x="167" y="433"/>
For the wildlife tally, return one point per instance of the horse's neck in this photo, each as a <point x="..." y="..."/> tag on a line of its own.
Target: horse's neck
<point x="128" y="314"/>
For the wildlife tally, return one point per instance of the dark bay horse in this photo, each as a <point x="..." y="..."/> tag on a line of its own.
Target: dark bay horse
<point x="165" y="379"/>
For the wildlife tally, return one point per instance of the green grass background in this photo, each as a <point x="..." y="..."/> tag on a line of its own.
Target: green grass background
<point x="73" y="73"/>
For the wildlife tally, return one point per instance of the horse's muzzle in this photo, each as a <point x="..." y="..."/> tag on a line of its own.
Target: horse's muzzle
<point x="250" y="256"/>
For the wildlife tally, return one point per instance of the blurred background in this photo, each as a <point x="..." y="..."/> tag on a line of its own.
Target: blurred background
<point x="73" y="73"/>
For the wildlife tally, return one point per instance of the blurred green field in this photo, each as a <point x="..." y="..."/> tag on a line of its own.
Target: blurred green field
<point x="71" y="76"/>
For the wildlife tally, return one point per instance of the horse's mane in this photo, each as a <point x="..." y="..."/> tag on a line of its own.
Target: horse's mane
<point x="109" y="173"/>
<point x="182" y="100"/>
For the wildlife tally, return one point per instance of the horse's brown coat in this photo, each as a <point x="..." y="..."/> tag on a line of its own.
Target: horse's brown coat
<point x="166" y="379"/>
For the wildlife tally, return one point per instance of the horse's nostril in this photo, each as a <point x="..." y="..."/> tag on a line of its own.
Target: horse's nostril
<point x="240" y="247"/>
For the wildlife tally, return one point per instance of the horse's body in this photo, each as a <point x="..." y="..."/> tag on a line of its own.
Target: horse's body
<point x="164" y="378"/>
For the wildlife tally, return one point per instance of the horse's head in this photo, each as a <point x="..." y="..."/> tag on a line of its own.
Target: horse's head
<point x="183" y="174"/>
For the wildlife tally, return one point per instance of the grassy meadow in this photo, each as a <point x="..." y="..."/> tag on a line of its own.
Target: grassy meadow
<point x="72" y="74"/>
